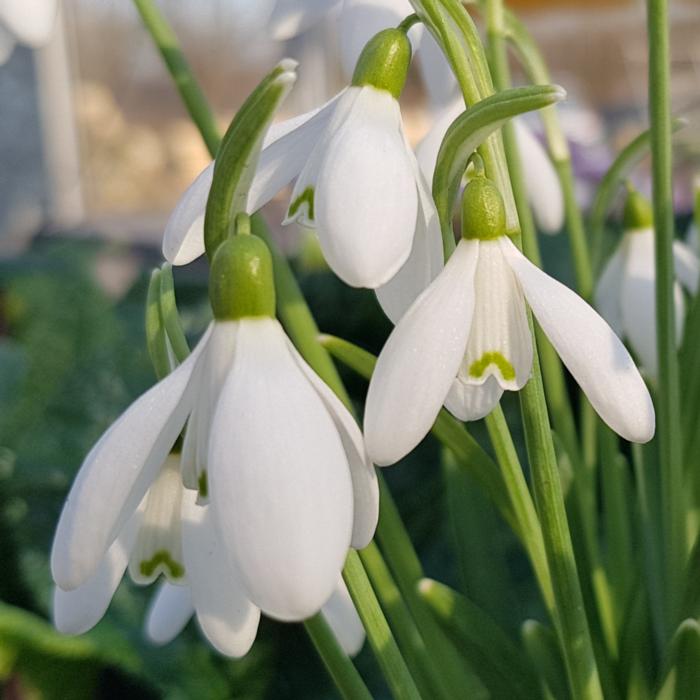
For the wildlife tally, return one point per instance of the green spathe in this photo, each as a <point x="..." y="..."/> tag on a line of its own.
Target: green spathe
<point x="483" y="211"/>
<point x="384" y="62"/>
<point x="241" y="282"/>
<point x="638" y="212"/>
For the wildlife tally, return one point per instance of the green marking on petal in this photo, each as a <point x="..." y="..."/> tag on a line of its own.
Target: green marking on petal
<point x="203" y="485"/>
<point x="478" y="367"/>
<point x="162" y="558"/>
<point x="306" y="197"/>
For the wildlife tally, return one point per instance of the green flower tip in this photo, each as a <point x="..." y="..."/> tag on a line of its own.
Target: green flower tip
<point x="638" y="213"/>
<point x="241" y="283"/>
<point x="483" y="211"/>
<point x="384" y="62"/>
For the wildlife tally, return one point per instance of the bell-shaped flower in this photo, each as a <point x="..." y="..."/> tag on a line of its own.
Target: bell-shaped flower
<point x="471" y="323"/>
<point x="170" y="534"/>
<point x="626" y="291"/>
<point x="542" y="182"/>
<point x="357" y="184"/>
<point x="268" y="444"/>
<point x="28" y="22"/>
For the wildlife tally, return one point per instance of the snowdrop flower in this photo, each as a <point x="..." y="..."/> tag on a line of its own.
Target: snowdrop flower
<point x="471" y="323"/>
<point x="171" y="534"/>
<point x="357" y="183"/>
<point x="28" y="22"/>
<point x="626" y="291"/>
<point x="268" y="445"/>
<point x="542" y="183"/>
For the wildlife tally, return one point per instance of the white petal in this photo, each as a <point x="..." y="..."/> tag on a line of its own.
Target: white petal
<point x="687" y="266"/>
<point x="117" y="473"/>
<point x="280" y="481"/>
<point x="360" y="20"/>
<point x="440" y="83"/>
<point x="158" y="547"/>
<point x="691" y="238"/>
<point x="364" y="477"/>
<point x="470" y="402"/>
<point x="169" y="613"/>
<point x="428" y="149"/>
<point x="250" y="17"/>
<point x="341" y="616"/>
<point x="542" y="182"/>
<point x="590" y="350"/>
<point x="366" y="199"/>
<point x="426" y="259"/>
<point x="183" y="240"/>
<point x="31" y="21"/>
<point x="79" y="610"/>
<point x="420" y="360"/>
<point x="227" y="618"/>
<point x="500" y="344"/>
<point x="608" y="292"/>
<point x="291" y="17"/>
<point x="7" y="44"/>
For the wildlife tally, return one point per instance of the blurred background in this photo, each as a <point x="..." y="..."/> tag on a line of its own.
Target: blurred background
<point x="95" y="150"/>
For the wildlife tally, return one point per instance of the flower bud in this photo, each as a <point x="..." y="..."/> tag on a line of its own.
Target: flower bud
<point x="638" y="213"/>
<point x="241" y="282"/>
<point x="384" y="62"/>
<point x="483" y="211"/>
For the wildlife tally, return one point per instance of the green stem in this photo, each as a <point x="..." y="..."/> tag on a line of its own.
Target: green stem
<point x="668" y="396"/>
<point x="347" y="680"/>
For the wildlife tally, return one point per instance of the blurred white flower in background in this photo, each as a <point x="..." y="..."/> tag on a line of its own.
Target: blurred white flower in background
<point x="28" y="22"/>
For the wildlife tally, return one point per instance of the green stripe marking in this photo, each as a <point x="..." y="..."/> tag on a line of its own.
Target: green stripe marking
<point x="306" y="197"/>
<point x="478" y="367"/>
<point x="162" y="558"/>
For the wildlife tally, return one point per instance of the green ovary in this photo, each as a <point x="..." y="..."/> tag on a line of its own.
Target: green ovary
<point x="307" y="196"/>
<point x="478" y="367"/>
<point x="162" y="558"/>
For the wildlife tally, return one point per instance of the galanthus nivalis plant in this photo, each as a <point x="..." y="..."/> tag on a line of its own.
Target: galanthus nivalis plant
<point x="240" y="482"/>
<point x="471" y="323"/>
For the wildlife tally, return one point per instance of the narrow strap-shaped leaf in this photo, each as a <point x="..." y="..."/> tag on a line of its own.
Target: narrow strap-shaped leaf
<point x="500" y="664"/>
<point x="682" y="679"/>
<point x="170" y="315"/>
<point x="155" y="330"/>
<point x="465" y="135"/>
<point x="542" y="648"/>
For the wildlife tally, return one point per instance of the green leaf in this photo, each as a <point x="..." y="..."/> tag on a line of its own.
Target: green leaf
<point x="238" y="154"/>
<point x="543" y="649"/>
<point x="682" y="680"/>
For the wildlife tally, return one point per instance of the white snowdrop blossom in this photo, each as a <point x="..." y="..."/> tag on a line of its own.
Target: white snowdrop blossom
<point x="626" y="292"/>
<point x="268" y="445"/>
<point x="358" y="185"/>
<point x="28" y="22"/>
<point x="171" y="534"/>
<point x="542" y="183"/>
<point x="471" y="323"/>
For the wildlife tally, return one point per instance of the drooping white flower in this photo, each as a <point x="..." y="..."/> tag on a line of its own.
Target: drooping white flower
<point x="271" y="447"/>
<point x="541" y="182"/>
<point x="357" y="184"/>
<point x="471" y="323"/>
<point x="28" y="22"/>
<point x="173" y="535"/>
<point x="626" y="291"/>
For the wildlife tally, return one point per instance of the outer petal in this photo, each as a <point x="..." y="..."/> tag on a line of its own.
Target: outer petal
<point x="420" y="360"/>
<point x="500" y="343"/>
<point x="79" y="610"/>
<point x="687" y="266"/>
<point x="542" y="182"/>
<point x="169" y="613"/>
<point x="360" y="20"/>
<point x="608" y="292"/>
<point x="590" y="349"/>
<point x="280" y="481"/>
<point x="343" y="619"/>
<point x="117" y="473"/>
<point x="366" y="199"/>
<point x="470" y="402"/>
<point x="227" y="618"/>
<point x="31" y="21"/>
<point x="291" y="17"/>
<point x="426" y="259"/>
<point x="364" y="477"/>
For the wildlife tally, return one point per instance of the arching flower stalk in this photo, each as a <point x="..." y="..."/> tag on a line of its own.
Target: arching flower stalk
<point x="626" y="291"/>
<point x="471" y="323"/>
<point x="268" y="446"/>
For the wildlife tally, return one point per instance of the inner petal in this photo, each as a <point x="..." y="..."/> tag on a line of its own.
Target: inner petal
<point x="500" y="344"/>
